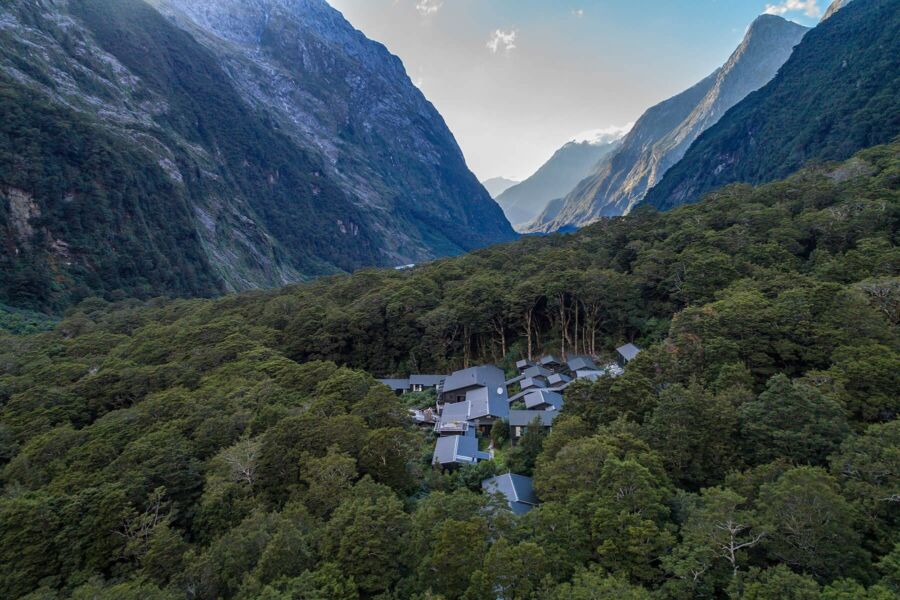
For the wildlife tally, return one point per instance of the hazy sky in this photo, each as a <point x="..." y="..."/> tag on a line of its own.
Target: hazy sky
<point x="516" y="79"/>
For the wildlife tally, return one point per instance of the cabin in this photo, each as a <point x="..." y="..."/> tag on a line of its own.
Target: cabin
<point x="521" y="420"/>
<point x="543" y="400"/>
<point x="456" y="450"/>
<point x="422" y="383"/>
<point x="581" y="363"/>
<point x="398" y="386"/>
<point x="627" y="353"/>
<point x="550" y="362"/>
<point x="459" y="383"/>
<point x="517" y="490"/>
<point x="524" y="364"/>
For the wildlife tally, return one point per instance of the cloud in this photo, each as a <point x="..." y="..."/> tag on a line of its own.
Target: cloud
<point x="602" y="136"/>
<point x="809" y="7"/>
<point x="502" y="40"/>
<point x="429" y="7"/>
<point x="578" y="12"/>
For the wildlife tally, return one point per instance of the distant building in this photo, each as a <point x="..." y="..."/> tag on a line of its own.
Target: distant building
<point x="457" y="450"/>
<point x="521" y="420"/>
<point x="398" y="386"/>
<point x="551" y="362"/>
<point x="581" y="363"/>
<point x="458" y="384"/>
<point x="543" y="400"/>
<point x="518" y="491"/>
<point x="627" y="353"/>
<point x="420" y="383"/>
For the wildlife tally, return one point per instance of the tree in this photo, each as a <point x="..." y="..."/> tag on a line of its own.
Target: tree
<point x="510" y="572"/>
<point x="328" y="480"/>
<point x="456" y="552"/>
<point x="693" y="431"/>
<point x="777" y="583"/>
<point x="522" y="457"/>
<point x="810" y="523"/>
<point x="629" y="520"/>
<point x="365" y="537"/>
<point x="791" y="420"/>
<point x="868" y="468"/>
<point x="597" y="584"/>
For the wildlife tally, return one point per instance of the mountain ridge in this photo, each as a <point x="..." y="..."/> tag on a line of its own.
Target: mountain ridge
<point x="838" y="93"/>
<point x="657" y="144"/>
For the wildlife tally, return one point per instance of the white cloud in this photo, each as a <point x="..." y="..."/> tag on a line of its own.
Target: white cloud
<point x="578" y="12"/>
<point x="602" y="136"/>
<point x="429" y="7"/>
<point x="809" y="7"/>
<point x="502" y="40"/>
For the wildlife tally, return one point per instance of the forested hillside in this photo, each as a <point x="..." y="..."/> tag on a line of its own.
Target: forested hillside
<point x="214" y="449"/>
<point x="144" y="154"/>
<point x="838" y="93"/>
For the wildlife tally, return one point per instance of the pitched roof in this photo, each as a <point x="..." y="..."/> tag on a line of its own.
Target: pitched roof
<point x="549" y="360"/>
<point x="396" y="384"/>
<point x="628" y="351"/>
<point x="524" y="418"/>
<point x="524" y="364"/>
<point x="517" y="489"/>
<point x="461" y="449"/>
<point x="582" y="363"/>
<point x="529" y="383"/>
<point x="532" y="372"/>
<point x="558" y="378"/>
<point x="488" y="402"/>
<point x="426" y="380"/>
<point x="454" y="418"/>
<point x="483" y="376"/>
<point x="542" y="397"/>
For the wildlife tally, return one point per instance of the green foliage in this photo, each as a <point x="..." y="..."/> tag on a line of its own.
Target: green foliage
<point x="214" y="449"/>
<point x="835" y="95"/>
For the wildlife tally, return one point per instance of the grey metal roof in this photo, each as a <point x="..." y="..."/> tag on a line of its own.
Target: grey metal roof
<point x="461" y="449"/>
<point x="483" y="376"/>
<point x="454" y="418"/>
<point x="529" y="383"/>
<point x="517" y="489"/>
<point x="628" y="351"/>
<point x="426" y="380"/>
<point x="524" y="364"/>
<point x="532" y="372"/>
<point x="543" y="397"/>
<point x="524" y="418"/>
<point x="550" y="359"/>
<point x="582" y="363"/>
<point x="396" y="384"/>
<point x="558" y="378"/>
<point x="487" y="402"/>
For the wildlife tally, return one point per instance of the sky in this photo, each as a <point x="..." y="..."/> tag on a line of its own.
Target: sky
<point x="516" y="79"/>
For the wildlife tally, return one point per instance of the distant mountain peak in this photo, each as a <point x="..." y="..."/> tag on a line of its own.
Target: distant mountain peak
<point x="834" y="7"/>
<point x="600" y="137"/>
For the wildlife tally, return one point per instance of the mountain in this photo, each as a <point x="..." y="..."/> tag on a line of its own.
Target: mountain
<point x="838" y="93"/>
<point x="663" y="134"/>
<point x="191" y="148"/>
<point x="497" y="185"/>
<point x="568" y="165"/>
<point x="233" y="449"/>
<point x="834" y="7"/>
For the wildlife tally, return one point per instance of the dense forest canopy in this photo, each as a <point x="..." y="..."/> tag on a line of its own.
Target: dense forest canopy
<point x="240" y="448"/>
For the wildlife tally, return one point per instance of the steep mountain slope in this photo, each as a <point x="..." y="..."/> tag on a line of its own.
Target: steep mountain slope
<point x="568" y="165"/>
<point x="834" y="7"/>
<point x="497" y="185"/>
<point x="838" y="93"/>
<point x="144" y="155"/>
<point x="664" y="133"/>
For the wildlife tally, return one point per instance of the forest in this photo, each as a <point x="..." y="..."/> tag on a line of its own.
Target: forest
<point x="240" y="447"/>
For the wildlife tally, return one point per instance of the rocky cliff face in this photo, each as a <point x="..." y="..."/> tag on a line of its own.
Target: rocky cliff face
<point x="568" y="165"/>
<point x="838" y="93"/>
<point x="248" y="144"/>
<point x="663" y="135"/>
